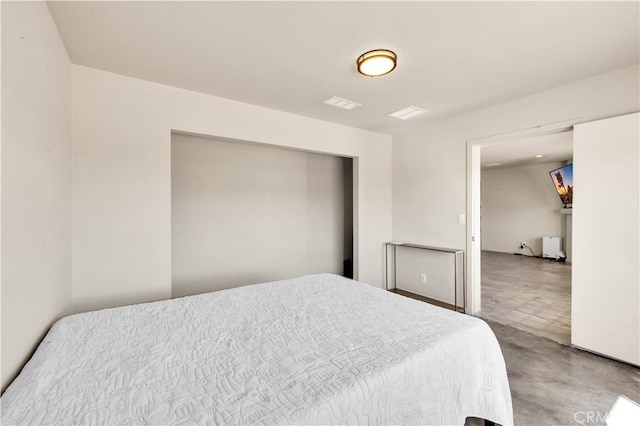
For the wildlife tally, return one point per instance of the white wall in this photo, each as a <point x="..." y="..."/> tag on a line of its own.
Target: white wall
<point x="429" y="157"/>
<point x="606" y="218"/>
<point x="122" y="179"/>
<point x="245" y="213"/>
<point x="36" y="180"/>
<point x="520" y="204"/>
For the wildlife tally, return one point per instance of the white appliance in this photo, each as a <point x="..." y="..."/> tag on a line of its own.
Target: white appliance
<point x="552" y="248"/>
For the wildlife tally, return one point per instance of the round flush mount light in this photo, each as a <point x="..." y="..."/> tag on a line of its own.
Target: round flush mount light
<point x="539" y="156"/>
<point x="377" y="62"/>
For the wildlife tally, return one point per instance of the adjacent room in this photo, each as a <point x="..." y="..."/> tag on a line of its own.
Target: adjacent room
<point x="526" y="234"/>
<point x="312" y="212"/>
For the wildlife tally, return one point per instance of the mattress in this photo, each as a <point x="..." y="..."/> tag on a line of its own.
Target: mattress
<point x="319" y="349"/>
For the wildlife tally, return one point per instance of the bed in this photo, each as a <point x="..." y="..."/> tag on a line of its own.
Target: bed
<point x="319" y="349"/>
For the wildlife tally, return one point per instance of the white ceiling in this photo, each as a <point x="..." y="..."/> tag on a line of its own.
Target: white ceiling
<point x="521" y="152"/>
<point x="453" y="57"/>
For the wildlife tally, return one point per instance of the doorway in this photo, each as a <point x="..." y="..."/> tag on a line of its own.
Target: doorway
<point x="512" y="205"/>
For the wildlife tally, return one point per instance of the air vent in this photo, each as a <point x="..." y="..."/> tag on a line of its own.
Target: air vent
<point x="341" y="103"/>
<point x="407" y="113"/>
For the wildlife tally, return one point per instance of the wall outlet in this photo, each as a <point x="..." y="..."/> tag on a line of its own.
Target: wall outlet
<point x="522" y="245"/>
<point x="423" y="278"/>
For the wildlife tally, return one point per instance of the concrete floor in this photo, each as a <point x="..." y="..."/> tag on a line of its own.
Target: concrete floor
<point x="554" y="384"/>
<point x="530" y="294"/>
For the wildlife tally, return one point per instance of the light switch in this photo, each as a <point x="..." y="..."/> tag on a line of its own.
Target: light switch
<point x="461" y="219"/>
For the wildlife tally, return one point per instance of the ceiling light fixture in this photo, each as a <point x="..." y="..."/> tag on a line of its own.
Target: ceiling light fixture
<point x="539" y="156"/>
<point x="377" y="62"/>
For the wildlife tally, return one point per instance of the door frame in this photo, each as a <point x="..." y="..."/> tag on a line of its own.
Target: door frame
<point x="474" y="244"/>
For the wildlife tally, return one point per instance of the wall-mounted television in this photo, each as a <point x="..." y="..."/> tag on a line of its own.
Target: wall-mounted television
<point x="563" y="181"/>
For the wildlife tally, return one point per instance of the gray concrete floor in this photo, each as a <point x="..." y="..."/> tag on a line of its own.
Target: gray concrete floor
<point x="554" y="384"/>
<point x="527" y="303"/>
<point x="530" y="294"/>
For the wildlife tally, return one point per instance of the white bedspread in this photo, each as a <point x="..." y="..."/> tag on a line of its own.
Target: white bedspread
<point x="316" y="350"/>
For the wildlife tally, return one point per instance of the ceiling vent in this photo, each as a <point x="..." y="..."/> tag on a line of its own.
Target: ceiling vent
<point x="341" y="103"/>
<point x="407" y="113"/>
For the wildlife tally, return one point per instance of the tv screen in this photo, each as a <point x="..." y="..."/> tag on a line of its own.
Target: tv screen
<point x="563" y="180"/>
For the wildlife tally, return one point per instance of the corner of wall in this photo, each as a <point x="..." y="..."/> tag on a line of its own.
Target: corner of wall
<point x="36" y="180"/>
